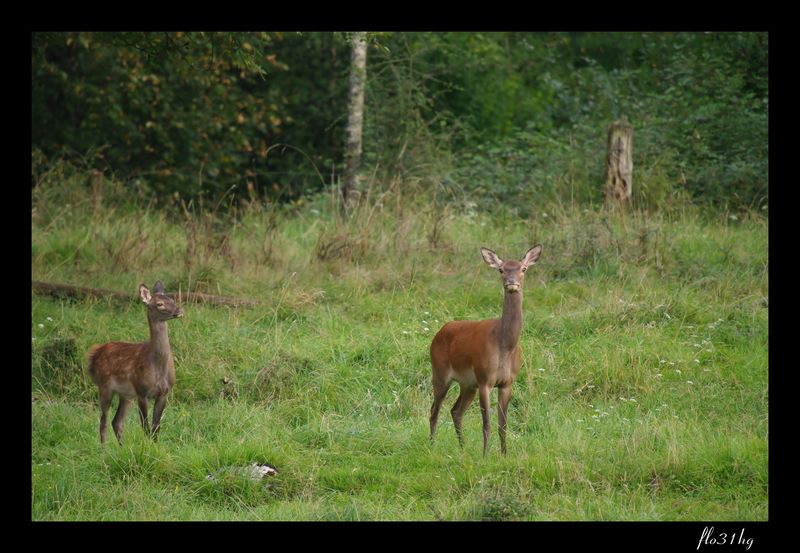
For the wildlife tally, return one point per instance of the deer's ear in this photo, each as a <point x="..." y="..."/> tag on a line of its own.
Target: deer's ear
<point x="144" y="293"/>
<point x="158" y="287"/>
<point x="491" y="258"/>
<point x="532" y="256"/>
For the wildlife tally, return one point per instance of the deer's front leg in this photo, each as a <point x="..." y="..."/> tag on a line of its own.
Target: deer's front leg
<point x="503" y="397"/>
<point x="143" y="414"/>
<point x="483" y="392"/>
<point x="161" y="402"/>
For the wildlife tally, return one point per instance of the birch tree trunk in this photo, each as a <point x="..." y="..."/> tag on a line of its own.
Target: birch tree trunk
<point x="619" y="164"/>
<point x="355" y="118"/>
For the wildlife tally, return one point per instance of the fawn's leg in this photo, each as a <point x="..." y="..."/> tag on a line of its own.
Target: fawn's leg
<point x="119" y="419"/>
<point x="161" y="402"/>
<point x="143" y="414"/>
<point x="105" y="403"/>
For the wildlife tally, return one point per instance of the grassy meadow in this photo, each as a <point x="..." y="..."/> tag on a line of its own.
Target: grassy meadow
<point x="643" y="393"/>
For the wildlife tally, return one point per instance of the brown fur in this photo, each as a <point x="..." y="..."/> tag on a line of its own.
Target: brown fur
<point x="128" y="365"/>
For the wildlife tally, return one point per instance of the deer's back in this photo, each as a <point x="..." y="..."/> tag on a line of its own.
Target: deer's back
<point x="127" y="369"/>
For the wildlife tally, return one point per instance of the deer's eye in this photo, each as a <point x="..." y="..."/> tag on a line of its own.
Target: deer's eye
<point x="159" y="304"/>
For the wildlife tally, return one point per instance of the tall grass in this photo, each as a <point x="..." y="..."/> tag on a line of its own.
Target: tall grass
<point x="643" y="393"/>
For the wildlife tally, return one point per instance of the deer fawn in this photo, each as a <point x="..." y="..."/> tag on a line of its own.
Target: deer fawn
<point x="143" y="370"/>
<point x="480" y="355"/>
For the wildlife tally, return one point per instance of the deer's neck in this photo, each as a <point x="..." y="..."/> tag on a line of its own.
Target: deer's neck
<point x="159" y="341"/>
<point x="511" y="321"/>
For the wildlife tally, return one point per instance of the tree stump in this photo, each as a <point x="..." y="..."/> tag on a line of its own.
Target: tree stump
<point x="619" y="164"/>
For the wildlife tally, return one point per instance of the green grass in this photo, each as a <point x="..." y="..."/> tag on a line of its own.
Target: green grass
<point x="643" y="393"/>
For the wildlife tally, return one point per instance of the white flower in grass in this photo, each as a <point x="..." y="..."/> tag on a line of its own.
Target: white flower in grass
<point x="426" y="329"/>
<point x="689" y="382"/>
<point x="696" y="360"/>
<point x="41" y="325"/>
<point x="50" y="319"/>
<point x="580" y="420"/>
<point x="633" y="400"/>
<point x="659" y="375"/>
<point x="540" y="369"/>
<point x="678" y="371"/>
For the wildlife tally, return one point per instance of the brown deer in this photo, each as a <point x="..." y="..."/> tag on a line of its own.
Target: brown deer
<point x="142" y="370"/>
<point x="481" y="355"/>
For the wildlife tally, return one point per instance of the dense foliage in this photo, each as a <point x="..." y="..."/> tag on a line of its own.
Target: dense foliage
<point x="517" y="117"/>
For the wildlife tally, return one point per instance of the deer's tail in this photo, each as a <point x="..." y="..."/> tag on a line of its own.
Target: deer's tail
<point x="91" y="357"/>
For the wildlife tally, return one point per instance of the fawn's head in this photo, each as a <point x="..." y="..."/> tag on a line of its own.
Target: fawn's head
<point x="512" y="272"/>
<point x="159" y="304"/>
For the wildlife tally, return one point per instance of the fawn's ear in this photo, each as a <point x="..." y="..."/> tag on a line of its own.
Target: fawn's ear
<point x="491" y="258"/>
<point x="158" y="287"/>
<point x="532" y="256"/>
<point x="144" y="293"/>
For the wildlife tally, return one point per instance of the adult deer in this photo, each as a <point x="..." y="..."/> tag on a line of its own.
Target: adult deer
<point x="141" y="370"/>
<point x="481" y="355"/>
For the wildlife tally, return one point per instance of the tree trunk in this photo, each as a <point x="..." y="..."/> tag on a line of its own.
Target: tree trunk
<point x="619" y="164"/>
<point x="355" y="118"/>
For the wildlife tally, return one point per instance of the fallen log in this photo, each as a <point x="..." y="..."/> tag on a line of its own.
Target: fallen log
<point x="68" y="290"/>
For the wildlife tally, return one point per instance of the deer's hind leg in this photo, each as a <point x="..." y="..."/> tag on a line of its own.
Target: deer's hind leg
<point x="464" y="400"/>
<point x="105" y="402"/>
<point x="440" y="388"/>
